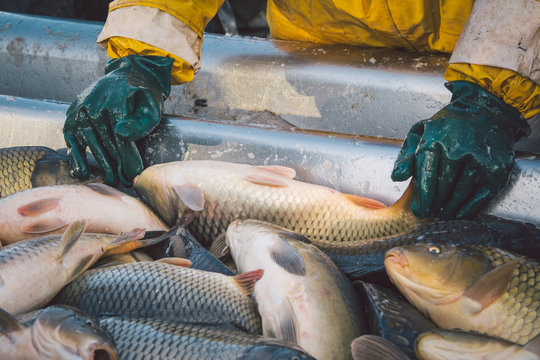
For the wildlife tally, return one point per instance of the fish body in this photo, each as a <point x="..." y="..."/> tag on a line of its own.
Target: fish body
<point x="47" y="210"/>
<point x="32" y="272"/>
<point x="166" y="291"/>
<point x="393" y="318"/>
<point x="56" y="332"/>
<point x="474" y="288"/>
<point x="461" y="345"/>
<point x="144" y="338"/>
<point x="302" y="297"/>
<point x="372" y="347"/>
<point x="362" y="257"/>
<point x="27" y="167"/>
<point x="221" y="192"/>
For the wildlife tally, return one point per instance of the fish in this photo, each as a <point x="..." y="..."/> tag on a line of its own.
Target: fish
<point x="359" y="258"/>
<point x="392" y="317"/>
<point x="55" y="332"/>
<point x="221" y="192"/>
<point x="32" y="272"/>
<point x="373" y="347"/>
<point x="462" y="345"/>
<point x="474" y="288"/>
<point x="27" y="167"/>
<point x="166" y="291"/>
<point x="146" y="338"/>
<point x="48" y="210"/>
<point x="302" y="298"/>
<point x="130" y="257"/>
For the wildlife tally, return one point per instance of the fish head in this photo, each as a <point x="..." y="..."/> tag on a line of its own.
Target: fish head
<point x="243" y="237"/>
<point x="151" y="184"/>
<point x="456" y="344"/>
<point x="65" y="330"/>
<point x="434" y="274"/>
<point x="52" y="170"/>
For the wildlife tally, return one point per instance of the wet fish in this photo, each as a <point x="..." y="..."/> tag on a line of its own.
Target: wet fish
<point x="221" y="192"/>
<point x="26" y="167"/>
<point x="461" y="345"/>
<point x="56" y="332"/>
<point x="372" y="347"/>
<point x="47" y="210"/>
<point x="474" y="288"/>
<point x="302" y="297"/>
<point x="166" y="291"/>
<point x="362" y="257"/>
<point x="161" y="339"/>
<point x="33" y="271"/>
<point x="392" y="317"/>
<point x="118" y="259"/>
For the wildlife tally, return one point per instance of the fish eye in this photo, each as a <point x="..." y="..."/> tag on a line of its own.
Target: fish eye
<point x="434" y="249"/>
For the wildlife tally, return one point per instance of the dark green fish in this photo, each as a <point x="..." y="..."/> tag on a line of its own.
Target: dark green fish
<point x="392" y="317"/>
<point x="162" y="339"/>
<point x="362" y="257"/>
<point x="165" y="291"/>
<point x="26" y="167"/>
<point x="56" y="332"/>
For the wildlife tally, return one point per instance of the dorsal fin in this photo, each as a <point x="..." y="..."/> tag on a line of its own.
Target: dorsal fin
<point x="364" y="202"/>
<point x="71" y="235"/>
<point x="284" y="171"/>
<point x="490" y="286"/>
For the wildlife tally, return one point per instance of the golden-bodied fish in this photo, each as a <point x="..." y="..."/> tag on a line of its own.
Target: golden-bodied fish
<point x="118" y="259"/>
<point x="53" y="333"/>
<point x="473" y="288"/>
<point x="461" y="345"/>
<point x="26" y="167"/>
<point x="373" y="347"/>
<point x="32" y="272"/>
<point x="164" y="290"/>
<point x="302" y="297"/>
<point x="223" y="192"/>
<point x="47" y="210"/>
<point x="156" y="339"/>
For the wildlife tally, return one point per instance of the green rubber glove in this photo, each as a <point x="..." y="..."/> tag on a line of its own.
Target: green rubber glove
<point x="121" y="107"/>
<point x="462" y="157"/>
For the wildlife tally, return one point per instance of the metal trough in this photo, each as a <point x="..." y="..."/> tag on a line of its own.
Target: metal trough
<point x="312" y="104"/>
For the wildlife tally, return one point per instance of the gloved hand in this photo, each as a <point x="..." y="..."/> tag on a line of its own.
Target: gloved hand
<point x="462" y="157"/>
<point x="121" y="107"/>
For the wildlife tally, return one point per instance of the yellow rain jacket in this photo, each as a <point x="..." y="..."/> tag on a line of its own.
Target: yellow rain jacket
<point x="499" y="47"/>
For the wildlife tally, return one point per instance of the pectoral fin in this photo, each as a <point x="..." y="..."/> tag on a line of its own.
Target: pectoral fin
<point x="9" y="324"/>
<point x="283" y="325"/>
<point x="44" y="226"/>
<point x="191" y="195"/>
<point x="490" y="286"/>
<point x="38" y="207"/>
<point x="288" y="257"/>
<point x="81" y="267"/>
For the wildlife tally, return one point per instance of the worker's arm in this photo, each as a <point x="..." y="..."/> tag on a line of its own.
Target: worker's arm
<point x="152" y="44"/>
<point x="462" y="157"/>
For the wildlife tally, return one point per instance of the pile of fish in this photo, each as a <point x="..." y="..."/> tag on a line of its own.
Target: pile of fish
<point x="210" y="259"/>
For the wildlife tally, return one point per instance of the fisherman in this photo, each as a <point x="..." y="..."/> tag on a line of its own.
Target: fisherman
<point x="460" y="158"/>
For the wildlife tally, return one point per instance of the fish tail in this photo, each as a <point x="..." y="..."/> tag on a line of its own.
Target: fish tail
<point x="405" y="201"/>
<point x="246" y="281"/>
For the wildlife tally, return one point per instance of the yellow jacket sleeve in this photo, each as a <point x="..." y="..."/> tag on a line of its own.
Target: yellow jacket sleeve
<point x="165" y="28"/>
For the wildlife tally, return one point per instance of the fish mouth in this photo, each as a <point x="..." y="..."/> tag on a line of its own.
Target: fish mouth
<point x="397" y="257"/>
<point x="103" y="352"/>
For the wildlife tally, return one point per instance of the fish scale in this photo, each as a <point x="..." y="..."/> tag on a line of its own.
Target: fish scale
<point x="520" y="303"/>
<point x="139" y="338"/>
<point x="164" y="291"/>
<point x="234" y="191"/>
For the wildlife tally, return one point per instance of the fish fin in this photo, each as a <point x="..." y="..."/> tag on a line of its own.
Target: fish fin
<point x="84" y="264"/>
<point x="191" y="195"/>
<point x="286" y="326"/>
<point x="533" y="346"/>
<point x="291" y="235"/>
<point x="187" y="218"/>
<point x="38" y="207"/>
<point x="129" y="241"/>
<point x="71" y="235"/>
<point x="372" y="347"/>
<point x="284" y="171"/>
<point x="177" y="261"/>
<point x="219" y="248"/>
<point x="405" y="201"/>
<point x="490" y="286"/>
<point x="246" y="281"/>
<point x="9" y="324"/>
<point x="288" y="257"/>
<point x="364" y="201"/>
<point x="44" y="226"/>
<point x="105" y="190"/>
<point x="265" y="180"/>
